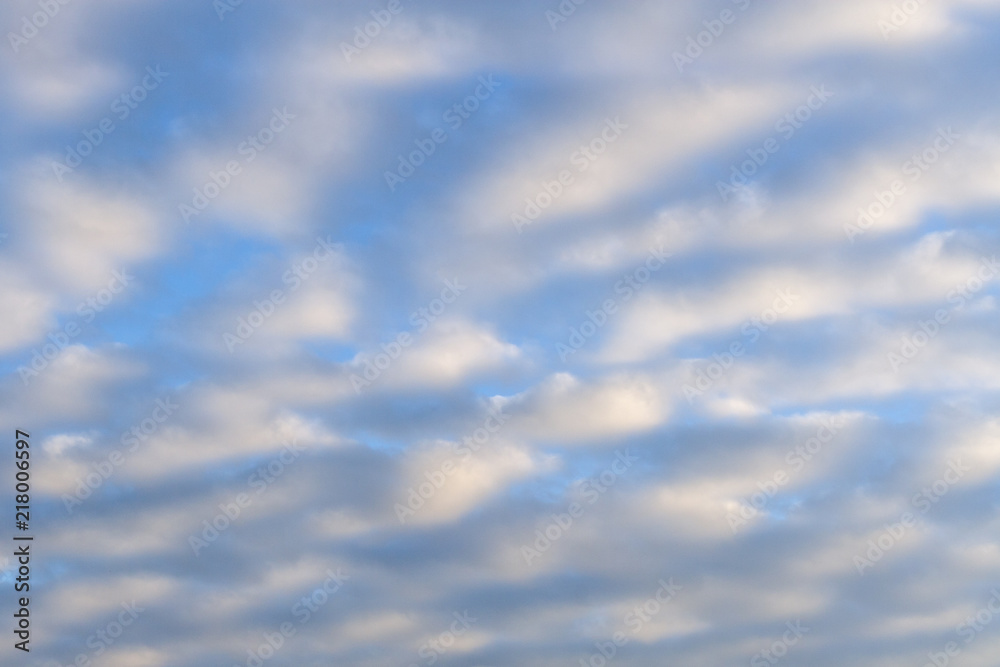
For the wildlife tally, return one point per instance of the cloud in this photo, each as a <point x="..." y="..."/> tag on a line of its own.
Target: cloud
<point x="728" y="324"/>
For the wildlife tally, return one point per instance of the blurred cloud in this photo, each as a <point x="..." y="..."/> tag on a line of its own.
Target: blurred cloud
<point x="654" y="322"/>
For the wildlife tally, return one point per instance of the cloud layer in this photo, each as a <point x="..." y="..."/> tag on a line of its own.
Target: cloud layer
<point x="524" y="333"/>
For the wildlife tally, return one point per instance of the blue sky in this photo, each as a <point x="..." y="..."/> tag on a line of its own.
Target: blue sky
<point x="481" y="326"/>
